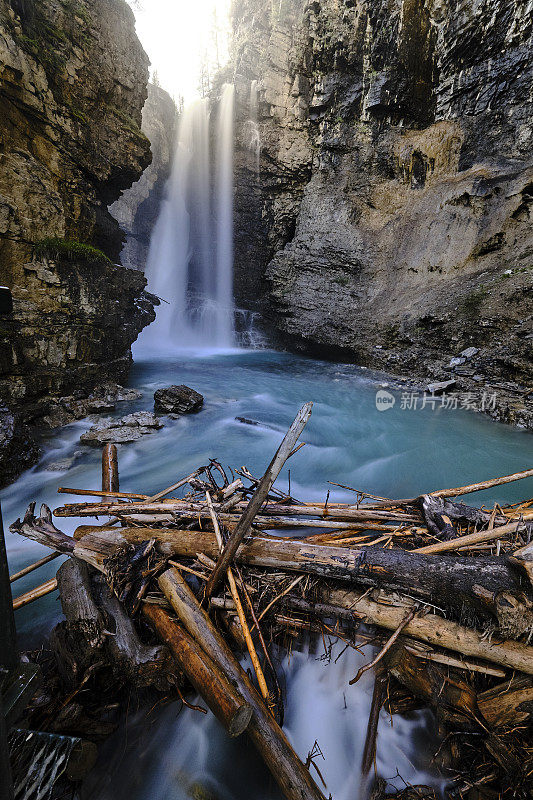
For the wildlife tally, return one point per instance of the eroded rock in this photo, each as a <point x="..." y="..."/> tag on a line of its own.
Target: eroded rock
<point x="130" y="428"/>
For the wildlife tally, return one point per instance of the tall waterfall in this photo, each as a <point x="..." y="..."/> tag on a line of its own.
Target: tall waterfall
<point x="190" y="260"/>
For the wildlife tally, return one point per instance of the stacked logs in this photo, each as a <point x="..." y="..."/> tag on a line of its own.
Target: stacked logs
<point x="440" y="588"/>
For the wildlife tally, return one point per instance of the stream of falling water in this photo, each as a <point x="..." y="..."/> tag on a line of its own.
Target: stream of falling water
<point x="190" y="260"/>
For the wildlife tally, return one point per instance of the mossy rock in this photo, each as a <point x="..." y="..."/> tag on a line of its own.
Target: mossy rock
<point x="69" y="250"/>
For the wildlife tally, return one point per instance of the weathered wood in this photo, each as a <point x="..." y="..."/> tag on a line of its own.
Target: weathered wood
<point x="508" y="704"/>
<point x="287" y="769"/>
<point x="34" y="594"/>
<point x="478" y="487"/>
<point x="284" y="514"/>
<point x="31" y="567"/>
<point x="42" y="530"/>
<point x="78" y="641"/>
<point x="103" y="493"/>
<point x="141" y="664"/>
<point x="439" y="514"/>
<point x="258" y="498"/>
<point x="369" y="751"/>
<point x="98" y="630"/>
<point x="470" y="539"/>
<point x="456" y="582"/>
<point x="110" y="481"/>
<point x="229" y="707"/>
<point x="433" y="629"/>
<point x="450" y="696"/>
<point x="523" y="558"/>
<point x="263" y="688"/>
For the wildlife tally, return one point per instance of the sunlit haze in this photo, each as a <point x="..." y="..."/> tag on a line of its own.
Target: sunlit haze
<point x="179" y="37"/>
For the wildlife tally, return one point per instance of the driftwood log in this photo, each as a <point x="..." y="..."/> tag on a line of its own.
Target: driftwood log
<point x="483" y="586"/>
<point x="98" y="630"/>
<point x="224" y="700"/>
<point x="292" y="776"/>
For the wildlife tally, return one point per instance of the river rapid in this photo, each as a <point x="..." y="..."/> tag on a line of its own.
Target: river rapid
<point x="170" y="754"/>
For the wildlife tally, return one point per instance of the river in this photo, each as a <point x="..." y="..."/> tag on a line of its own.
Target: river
<point x="398" y="452"/>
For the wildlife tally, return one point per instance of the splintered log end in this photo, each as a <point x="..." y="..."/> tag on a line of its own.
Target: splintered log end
<point x="42" y="530"/>
<point x="46" y="514"/>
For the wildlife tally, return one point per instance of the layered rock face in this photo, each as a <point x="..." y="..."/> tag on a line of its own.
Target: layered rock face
<point x="391" y="221"/>
<point x="138" y="207"/>
<point x="74" y="80"/>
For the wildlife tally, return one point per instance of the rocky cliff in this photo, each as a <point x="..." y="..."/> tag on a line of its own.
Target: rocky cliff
<point x="138" y="207"/>
<point x="391" y="220"/>
<point x="74" y="80"/>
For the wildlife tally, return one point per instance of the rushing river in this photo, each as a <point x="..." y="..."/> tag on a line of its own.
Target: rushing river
<point x="393" y="453"/>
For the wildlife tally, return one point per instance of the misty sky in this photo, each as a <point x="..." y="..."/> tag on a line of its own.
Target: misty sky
<point x="176" y="35"/>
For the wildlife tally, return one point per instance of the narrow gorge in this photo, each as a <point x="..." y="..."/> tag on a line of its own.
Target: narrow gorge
<point x="266" y="399"/>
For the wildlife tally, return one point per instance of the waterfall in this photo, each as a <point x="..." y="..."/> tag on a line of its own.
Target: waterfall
<point x="252" y="136"/>
<point x="190" y="260"/>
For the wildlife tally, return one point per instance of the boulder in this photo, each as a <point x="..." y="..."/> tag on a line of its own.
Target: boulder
<point x="177" y="400"/>
<point x="130" y="428"/>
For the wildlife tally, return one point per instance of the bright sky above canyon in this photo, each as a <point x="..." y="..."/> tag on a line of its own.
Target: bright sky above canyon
<point x="178" y="35"/>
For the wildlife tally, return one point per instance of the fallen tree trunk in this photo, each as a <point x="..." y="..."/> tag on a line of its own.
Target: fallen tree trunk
<point x="287" y="769"/>
<point x="389" y="612"/>
<point x="452" y="698"/>
<point x="454" y="582"/>
<point x="486" y="586"/>
<point x="97" y="629"/>
<point x="439" y="514"/>
<point x="224" y="700"/>
<point x="286" y="514"/>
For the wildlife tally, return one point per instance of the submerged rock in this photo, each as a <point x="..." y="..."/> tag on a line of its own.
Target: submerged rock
<point x="177" y="400"/>
<point x="130" y="428"/>
<point x="62" y="464"/>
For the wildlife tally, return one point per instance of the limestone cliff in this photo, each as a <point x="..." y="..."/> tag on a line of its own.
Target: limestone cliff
<point x="73" y="83"/>
<point x="138" y="207"/>
<point x="391" y="221"/>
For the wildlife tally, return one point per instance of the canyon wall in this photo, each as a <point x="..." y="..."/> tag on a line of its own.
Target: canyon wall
<point x="73" y="84"/>
<point x="390" y="223"/>
<point x="138" y="207"/>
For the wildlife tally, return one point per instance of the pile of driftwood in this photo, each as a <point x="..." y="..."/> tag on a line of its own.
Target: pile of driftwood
<point x="170" y="588"/>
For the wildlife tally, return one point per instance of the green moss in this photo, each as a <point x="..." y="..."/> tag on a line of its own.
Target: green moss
<point x="342" y="280"/>
<point x="472" y="302"/>
<point x="69" y="250"/>
<point x="76" y="9"/>
<point x="79" y="115"/>
<point x="129" y="123"/>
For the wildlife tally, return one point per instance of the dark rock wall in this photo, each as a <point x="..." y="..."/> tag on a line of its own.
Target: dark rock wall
<point x="391" y="223"/>
<point x="138" y="207"/>
<point x="73" y="84"/>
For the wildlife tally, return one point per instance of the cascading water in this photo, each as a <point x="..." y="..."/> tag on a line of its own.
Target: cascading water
<point x="190" y="261"/>
<point x="252" y="136"/>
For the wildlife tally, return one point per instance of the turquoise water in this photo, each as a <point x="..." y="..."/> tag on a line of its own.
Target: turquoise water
<point x="395" y="453"/>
